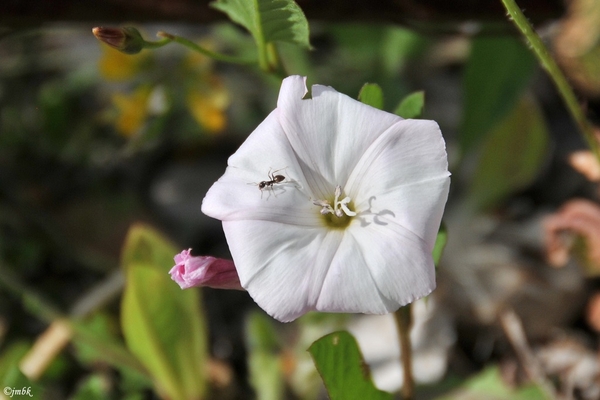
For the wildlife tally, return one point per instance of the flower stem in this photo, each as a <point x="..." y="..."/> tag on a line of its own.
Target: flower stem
<point x="167" y="38"/>
<point x="403" y="317"/>
<point x="549" y="64"/>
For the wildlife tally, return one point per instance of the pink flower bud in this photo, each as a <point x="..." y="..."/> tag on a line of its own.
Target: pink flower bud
<point x="127" y="40"/>
<point x="218" y="273"/>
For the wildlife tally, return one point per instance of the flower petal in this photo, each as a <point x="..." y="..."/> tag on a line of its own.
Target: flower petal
<point x="376" y="270"/>
<point x="282" y="266"/>
<point x="236" y="194"/>
<point x="329" y="133"/>
<point x="404" y="177"/>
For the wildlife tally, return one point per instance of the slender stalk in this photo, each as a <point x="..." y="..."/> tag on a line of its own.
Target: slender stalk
<point x="167" y="37"/>
<point x="513" y="328"/>
<point x="157" y="44"/>
<point x="36" y="304"/>
<point x="404" y="323"/>
<point x="548" y="63"/>
<point x="275" y="66"/>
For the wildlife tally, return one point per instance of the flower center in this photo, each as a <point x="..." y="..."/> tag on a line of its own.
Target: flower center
<point x="339" y="215"/>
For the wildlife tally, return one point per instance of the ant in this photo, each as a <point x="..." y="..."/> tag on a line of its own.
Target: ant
<point x="273" y="179"/>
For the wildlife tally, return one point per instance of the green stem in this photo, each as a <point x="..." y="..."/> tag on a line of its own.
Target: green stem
<point x="35" y="303"/>
<point x="275" y="66"/>
<point x="157" y="44"/>
<point x="167" y="37"/>
<point x="403" y="317"/>
<point x="548" y="63"/>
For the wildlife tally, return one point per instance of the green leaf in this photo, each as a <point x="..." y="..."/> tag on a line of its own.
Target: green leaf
<point x="11" y="377"/>
<point x="343" y="369"/>
<point x="399" y="45"/>
<point x="9" y="360"/>
<point x="411" y="106"/>
<point x="512" y="155"/>
<point x="97" y="339"/>
<point x="372" y="95"/>
<point x="266" y="375"/>
<point x="268" y="21"/>
<point x="94" y="387"/>
<point x="162" y="324"/>
<point x="489" y="385"/>
<point x="496" y="74"/>
<point x="440" y="244"/>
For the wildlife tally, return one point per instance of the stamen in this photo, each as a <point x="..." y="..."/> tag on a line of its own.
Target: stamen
<point x="340" y="207"/>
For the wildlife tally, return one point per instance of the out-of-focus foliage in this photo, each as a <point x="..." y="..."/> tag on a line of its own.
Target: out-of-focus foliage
<point x="512" y="154"/>
<point x="163" y="325"/>
<point x="577" y="46"/>
<point x="264" y="358"/>
<point x="488" y="384"/>
<point x="10" y="374"/>
<point x="495" y="75"/>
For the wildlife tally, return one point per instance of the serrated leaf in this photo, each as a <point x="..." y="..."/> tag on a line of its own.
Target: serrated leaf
<point x="496" y="74"/>
<point x="411" y="106"/>
<point x="343" y="369"/>
<point x="268" y="20"/>
<point x="162" y="324"/>
<point x="512" y="155"/>
<point x="372" y="95"/>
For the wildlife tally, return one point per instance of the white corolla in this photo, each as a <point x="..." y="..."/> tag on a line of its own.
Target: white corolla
<point x="333" y="205"/>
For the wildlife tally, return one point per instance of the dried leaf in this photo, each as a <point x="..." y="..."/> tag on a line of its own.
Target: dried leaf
<point x="576" y="45"/>
<point x="581" y="218"/>
<point x="593" y="312"/>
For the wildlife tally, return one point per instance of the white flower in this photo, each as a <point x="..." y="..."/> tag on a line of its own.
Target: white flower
<point x="333" y="205"/>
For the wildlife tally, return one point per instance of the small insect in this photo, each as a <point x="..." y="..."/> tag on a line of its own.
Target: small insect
<point x="274" y="179"/>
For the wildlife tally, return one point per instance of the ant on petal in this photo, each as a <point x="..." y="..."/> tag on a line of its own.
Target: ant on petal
<point x="274" y="179"/>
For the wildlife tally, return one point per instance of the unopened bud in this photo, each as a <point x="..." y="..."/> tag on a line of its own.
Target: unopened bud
<point x="127" y="40"/>
<point x="190" y="271"/>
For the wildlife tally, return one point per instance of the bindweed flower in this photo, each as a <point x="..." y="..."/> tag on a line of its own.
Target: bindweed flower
<point x="332" y="205"/>
<point x="213" y="272"/>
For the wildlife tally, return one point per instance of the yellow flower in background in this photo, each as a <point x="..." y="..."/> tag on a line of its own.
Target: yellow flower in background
<point x="117" y="66"/>
<point x="207" y="103"/>
<point x="132" y="110"/>
<point x="197" y="61"/>
<point x="207" y="97"/>
<point x="204" y="93"/>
